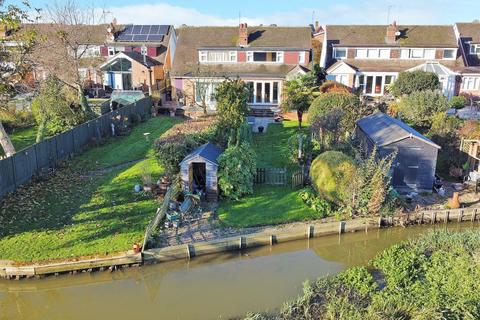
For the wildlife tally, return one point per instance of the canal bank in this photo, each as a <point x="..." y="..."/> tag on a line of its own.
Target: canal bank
<point x="218" y="286"/>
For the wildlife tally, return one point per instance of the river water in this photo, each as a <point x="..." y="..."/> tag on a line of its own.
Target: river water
<point x="209" y="287"/>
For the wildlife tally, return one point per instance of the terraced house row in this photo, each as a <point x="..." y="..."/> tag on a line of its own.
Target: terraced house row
<point x="185" y="64"/>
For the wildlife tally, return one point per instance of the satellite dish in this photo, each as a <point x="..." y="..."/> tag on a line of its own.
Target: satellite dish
<point x="398" y="33"/>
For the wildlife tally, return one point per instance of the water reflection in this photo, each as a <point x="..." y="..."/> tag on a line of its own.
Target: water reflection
<point x="208" y="287"/>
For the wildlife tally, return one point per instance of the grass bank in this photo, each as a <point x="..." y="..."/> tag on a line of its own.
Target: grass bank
<point x="88" y="207"/>
<point x="432" y="277"/>
<point x="22" y="138"/>
<point x="269" y="204"/>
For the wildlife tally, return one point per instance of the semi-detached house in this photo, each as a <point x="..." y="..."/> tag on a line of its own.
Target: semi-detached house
<point x="263" y="57"/>
<point x="370" y="57"/>
<point x="468" y="35"/>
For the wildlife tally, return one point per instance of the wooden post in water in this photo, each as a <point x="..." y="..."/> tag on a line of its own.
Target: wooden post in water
<point x="474" y="215"/>
<point x="446" y="215"/>
<point x="460" y="216"/>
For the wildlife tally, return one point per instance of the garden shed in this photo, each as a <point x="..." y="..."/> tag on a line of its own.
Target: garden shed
<point x="199" y="171"/>
<point x="414" y="167"/>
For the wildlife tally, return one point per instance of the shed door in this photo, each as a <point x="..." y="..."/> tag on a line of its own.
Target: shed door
<point x="411" y="173"/>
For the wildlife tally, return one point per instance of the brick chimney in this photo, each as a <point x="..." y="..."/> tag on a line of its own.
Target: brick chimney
<point x="243" y="35"/>
<point x="392" y="30"/>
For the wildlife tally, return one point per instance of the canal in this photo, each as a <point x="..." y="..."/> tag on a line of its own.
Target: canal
<point x="208" y="287"/>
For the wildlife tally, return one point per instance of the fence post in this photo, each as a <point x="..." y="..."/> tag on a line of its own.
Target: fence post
<point x="460" y="216"/>
<point x="474" y="215"/>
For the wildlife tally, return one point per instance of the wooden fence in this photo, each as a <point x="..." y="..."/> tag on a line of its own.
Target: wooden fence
<point x="271" y="176"/>
<point x="298" y="179"/>
<point x="25" y="164"/>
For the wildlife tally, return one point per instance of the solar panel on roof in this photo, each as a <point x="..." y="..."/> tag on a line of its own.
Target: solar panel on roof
<point x="139" y="37"/>
<point x="128" y="29"/>
<point x="155" y="37"/>
<point x="125" y="37"/>
<point x="154" y="29"/>
<point x="163" y="29"/>
<point x="137" y="29"/>
<point x="145" y="30"/>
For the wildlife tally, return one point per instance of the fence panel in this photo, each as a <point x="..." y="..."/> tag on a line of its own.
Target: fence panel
<point x="271" y="176"/>
<point x="297" y="179"/>
<point x="7" y="176"/>
<point x="20" y="168"/>
<point x="46" y="152"/>
<point x="25" y="165"/>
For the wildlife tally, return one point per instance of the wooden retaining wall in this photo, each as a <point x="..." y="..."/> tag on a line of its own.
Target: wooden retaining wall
<point x="188" y="251"/>
<point x="306" y="231"/>
<point x="10" y="271"/>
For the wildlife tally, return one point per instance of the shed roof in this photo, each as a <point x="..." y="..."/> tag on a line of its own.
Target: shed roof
<point x="384" y="130"/>
<point x="208" y="151"/>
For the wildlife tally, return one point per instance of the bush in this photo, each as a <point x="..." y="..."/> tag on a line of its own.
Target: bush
<point x="409" y="82"/>
<point x="236" y="171"/>
<point x="457" y="102"/>
<point x="294" y="145"/>
<point x="16" y="119"/>
<point x="319" y="205"/>
<point x="333" y="86"/>
<point x="232" y="107"/>
<point x="331" y="174"/>
<point x="419" y="107"/>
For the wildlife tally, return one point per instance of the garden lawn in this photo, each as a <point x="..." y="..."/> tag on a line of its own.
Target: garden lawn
<point x="269" y="204"/>
<point x="22" y="138"/>
<point x="87" y="208"/>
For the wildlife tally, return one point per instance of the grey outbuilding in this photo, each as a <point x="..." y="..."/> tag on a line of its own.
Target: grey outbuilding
<point x="414" y="166"/>
<point x="199" y="170"/>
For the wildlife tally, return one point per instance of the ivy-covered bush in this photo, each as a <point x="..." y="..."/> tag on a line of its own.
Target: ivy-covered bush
<point x="236" y="170"/>
<point x="181" y="139"/>
<point x="409" y="82"/>
<point x="419" y="107"/>
<point x="457" y="102"/>
<point x="331" y="174"/>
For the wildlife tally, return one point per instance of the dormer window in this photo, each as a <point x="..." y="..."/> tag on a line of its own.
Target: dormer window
<point x="217" y="56"/>
<point x="265" y="56"/>
<point x="340" y="53"/>
<point x="449" y="54"/>
<point x="475" y="48"/>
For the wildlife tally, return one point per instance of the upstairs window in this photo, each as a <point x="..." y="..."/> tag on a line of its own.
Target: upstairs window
<point x="340" y="53"/>
<point x="372" y="53"/>
<point x="475" y="48"/>
<point x="301" y="57"/>
<point x="265" y="56"/>
<point x="417" y="53"/>
<point x="449" y="54"/>
<point x="217" y="56"/>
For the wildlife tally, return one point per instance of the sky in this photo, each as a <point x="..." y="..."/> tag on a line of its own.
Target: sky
<point x="280" y="12"/>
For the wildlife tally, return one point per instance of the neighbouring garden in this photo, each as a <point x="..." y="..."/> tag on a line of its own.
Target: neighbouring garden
<point x="88" y="206"/>
<point x="432" y="277"/>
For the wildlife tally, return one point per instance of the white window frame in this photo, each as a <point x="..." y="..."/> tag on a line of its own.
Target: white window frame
<point x="249" y="56"/>
<point x="429" y="54"/>
<point x="372" y="53"/>
<point x="361" y="54"/>
<point x="470" y="83"/>
<point x="475" y="48"/>
<point x="393" y="76"/>
<point x="386" y="51"/>
<point x="301" y="57"/>
<point x="453" y="54"/>
<point x="219" y="56"/>
<point x="271" y="101"/>
<point x="111" y="51"/>
<point x="414" y="53"/>
<point x="278" y="58"/>
<point x="335" y="53"/>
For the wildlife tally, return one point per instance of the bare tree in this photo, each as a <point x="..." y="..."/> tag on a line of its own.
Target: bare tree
<point x="202" y="81"/>
<point x="16" y="46"/>
<point x="65" y="44"/>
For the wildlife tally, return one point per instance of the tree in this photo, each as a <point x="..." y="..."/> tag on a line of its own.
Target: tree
<point x="15" y="62"/>
<point x="298" y="94"/>
<point x="52" y="109"/>
<point x="419" y="107"/>
<point x="65" y="42"/>
<point x="203" y="82"/>
<point x="232" y="108"/>
<point x="411" y="81"/>
<point x="352" y="109"/>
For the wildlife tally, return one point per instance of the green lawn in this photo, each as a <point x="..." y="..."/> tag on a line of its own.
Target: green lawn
<point x="268" y="204"/>
<point x="22" y="138"/>
<point x="88" y="207"/>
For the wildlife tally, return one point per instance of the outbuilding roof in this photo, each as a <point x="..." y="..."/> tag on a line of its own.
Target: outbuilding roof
<point x="208" y="151"/>
<point x="384" y="130"/>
